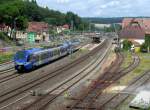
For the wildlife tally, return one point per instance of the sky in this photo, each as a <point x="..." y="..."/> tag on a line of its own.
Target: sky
<point x="100" y="8"/>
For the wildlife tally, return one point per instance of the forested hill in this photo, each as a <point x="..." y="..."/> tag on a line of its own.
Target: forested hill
<point x="109" y="20"/>
<point x="104" y="20"/>
<point x="23" y="11"/>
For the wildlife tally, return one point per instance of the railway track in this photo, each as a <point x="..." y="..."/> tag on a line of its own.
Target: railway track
<point x="118" y="99"/>
<point x="44" y="101"/>
<point x="9" y="77"/>
<point x="8" y="74"/>
<point x="7" y="70"/>
<point x="18" y="90"/>
<point x="121" y="73"/>
<point x="6" y="67"/>
<point x="104" y="82"/>
<point x="5" y="63"/>
<point x="88" y="92"/>
<point x="126" y="70"/>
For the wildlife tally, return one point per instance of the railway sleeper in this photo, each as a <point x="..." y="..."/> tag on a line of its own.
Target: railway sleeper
<point x="37" y="93"/>
<point x="83" y="108"/>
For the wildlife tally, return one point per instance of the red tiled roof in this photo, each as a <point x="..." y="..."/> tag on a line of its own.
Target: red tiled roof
<point x="132" y="31"/>
<point x="2" y="25"/>
<point x="38" y="27"/>
<point x="143" y="22"/>
<point x="66" y="26"/>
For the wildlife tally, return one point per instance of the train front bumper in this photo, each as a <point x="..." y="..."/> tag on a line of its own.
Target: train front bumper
<point x="23" y="66"/>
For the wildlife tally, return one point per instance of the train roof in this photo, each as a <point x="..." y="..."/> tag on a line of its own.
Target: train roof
<point x="32" y="50"/>
<point x="50" y="49"/>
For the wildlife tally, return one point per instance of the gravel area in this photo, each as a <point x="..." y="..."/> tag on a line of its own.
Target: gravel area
<point x="6" y="66"/>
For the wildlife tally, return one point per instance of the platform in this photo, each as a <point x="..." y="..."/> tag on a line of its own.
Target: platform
<point x="141" y="101"/>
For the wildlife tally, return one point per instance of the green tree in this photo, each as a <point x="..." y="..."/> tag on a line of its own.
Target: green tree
<point x="143" y="48"/>
<point x="21" y="23"/>
<point x="147" y="41"/>
<point x="20" y="11"/>
<point x="127" y="45"/>
<point x="51" y="21"/>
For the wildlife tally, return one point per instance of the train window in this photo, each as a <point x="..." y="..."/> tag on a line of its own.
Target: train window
<point x="58" y="51"/>
<point x="20" y="55"/>
<point x="29" y="58"/>
<point x="51" y="54"/>
<point x="32" y="58"/>
<point x="39" y="57"/>
<point x="44" y="55"/>
<point x="63" y="50"/>
<point x="55" y="52"/>
<point x="35" y="57"/>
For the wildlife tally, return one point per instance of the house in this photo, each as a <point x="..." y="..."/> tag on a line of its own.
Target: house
<point x="135" y="29"/>
<point x="21" y="35"/>
<point x="5" y="28"/>
<point x="2" y="27"/>
<point x="66" y="26"/>
<point x="38" y="31"/>
<point x="60" y="29"/>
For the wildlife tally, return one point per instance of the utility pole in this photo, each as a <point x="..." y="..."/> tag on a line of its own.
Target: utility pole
<point x="72" y="25"/>
<point x="117" y="35"/>
<point x="14" y="32"/>
<point x="89" y="27"/>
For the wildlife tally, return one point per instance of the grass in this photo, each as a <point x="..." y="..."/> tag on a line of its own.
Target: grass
<point x="5" y="57"/>
<point x="143" y="66"/>
<point x="128" y="59"/>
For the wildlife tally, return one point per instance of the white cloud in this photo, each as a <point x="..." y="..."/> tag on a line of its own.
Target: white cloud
<point x="100" y="8"/>
<point x="110" y="4"/>
<point x="62" y="1"/>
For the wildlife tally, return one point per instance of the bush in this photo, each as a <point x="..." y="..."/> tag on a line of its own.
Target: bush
<point x="127" y="45"/>
<point x="4" y="37"/>
<point x="143" y="47"/>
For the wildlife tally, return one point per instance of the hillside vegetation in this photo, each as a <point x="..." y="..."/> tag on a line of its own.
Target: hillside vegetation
<point x="105" y="20"/>
<point x="19" y="12"/>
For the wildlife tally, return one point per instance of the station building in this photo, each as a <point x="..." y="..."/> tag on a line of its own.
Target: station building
<point x="135" y="29"/>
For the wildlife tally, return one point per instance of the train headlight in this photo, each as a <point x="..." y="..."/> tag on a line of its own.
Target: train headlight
<point x="19" y="67"/>
<point x="19" y="63"/>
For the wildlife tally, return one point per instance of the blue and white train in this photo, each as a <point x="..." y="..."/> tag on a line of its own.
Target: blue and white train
<point x="26" y="60"/>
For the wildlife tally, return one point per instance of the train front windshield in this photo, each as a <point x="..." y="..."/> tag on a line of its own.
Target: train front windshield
<point x="20" y="55"/>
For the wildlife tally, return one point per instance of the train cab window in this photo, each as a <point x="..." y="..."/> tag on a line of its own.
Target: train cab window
<point x="29" y="58"/>
<point x="20" y="55"/>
